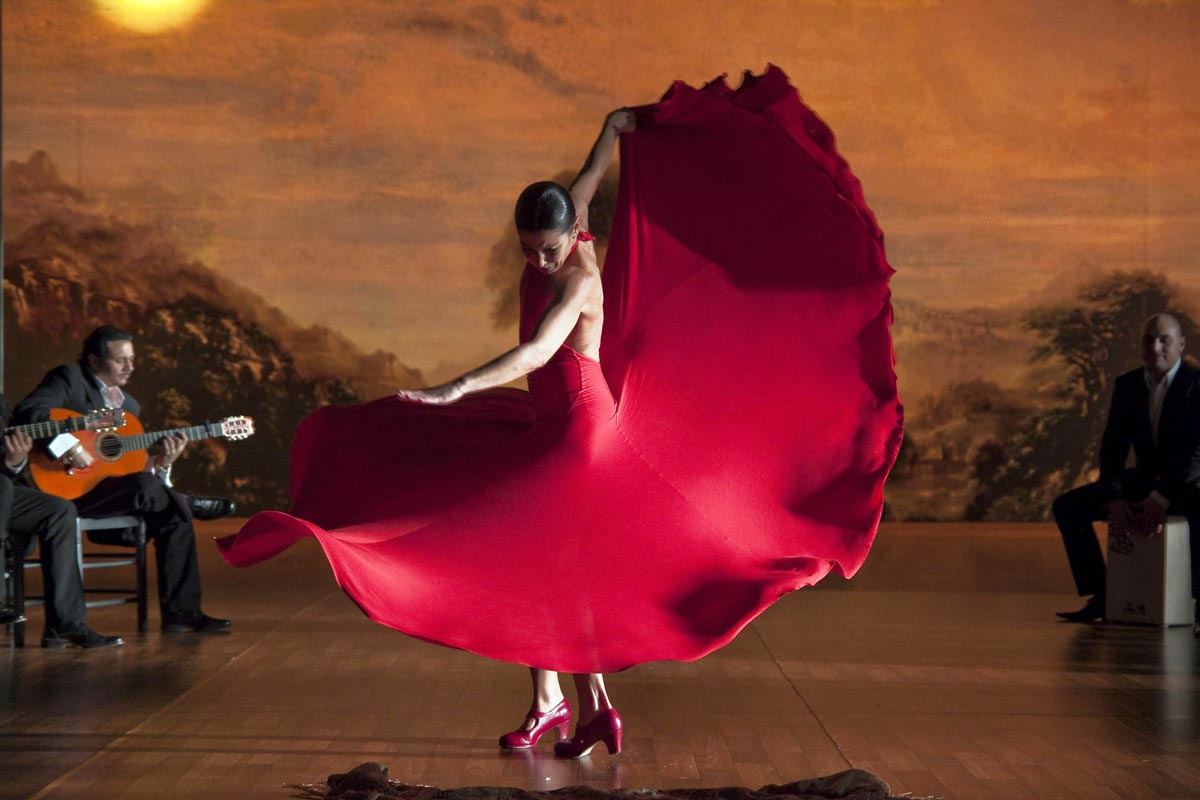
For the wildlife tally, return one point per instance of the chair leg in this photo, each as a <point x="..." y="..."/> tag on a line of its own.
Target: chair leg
<point x="137" y="594"/>
<point x="79" y="546"/>
<point x="18" y="589"/>
<point x="141" y="576"/>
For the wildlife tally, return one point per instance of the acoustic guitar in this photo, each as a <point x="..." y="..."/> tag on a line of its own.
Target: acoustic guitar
<point x="115" y="454"/>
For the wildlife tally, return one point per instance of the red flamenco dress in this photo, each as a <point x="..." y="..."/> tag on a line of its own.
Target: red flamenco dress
<point x="731" y="449"/>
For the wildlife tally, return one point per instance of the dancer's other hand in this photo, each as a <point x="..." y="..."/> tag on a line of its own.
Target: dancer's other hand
<point x="441" y="395"/>
<point x="621" y="121"/>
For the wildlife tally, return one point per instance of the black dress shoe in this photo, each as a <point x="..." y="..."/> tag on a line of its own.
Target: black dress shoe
<point x="10" y="617"/>
<point x="1092" y="610"/>
<point x="211" y="507"/>
<point x="197" y="621"/>
<point x="83" y="636"/>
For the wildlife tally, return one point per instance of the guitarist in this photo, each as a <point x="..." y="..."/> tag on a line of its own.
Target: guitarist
<point x="27" y="513"/>
<point x="104" y="366"/>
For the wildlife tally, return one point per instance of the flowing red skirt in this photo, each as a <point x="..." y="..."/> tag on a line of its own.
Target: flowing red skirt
<point x="732" y="449"/>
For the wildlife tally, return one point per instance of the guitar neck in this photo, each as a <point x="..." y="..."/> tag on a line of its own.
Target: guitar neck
<point x="51" y="428"/>
<point x="142" y="441"/>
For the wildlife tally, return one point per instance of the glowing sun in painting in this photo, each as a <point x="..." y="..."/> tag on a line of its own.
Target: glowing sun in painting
<point x="150" y="16"/>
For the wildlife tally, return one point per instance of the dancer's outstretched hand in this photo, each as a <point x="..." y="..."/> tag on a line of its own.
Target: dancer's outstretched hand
<point x="442" y="395"/>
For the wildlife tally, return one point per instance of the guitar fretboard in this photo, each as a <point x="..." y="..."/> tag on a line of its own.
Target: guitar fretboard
<point x="142" y="441"/>
<point x="51" y="428"/>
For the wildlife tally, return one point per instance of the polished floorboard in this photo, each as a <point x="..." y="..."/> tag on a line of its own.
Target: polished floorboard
<point x="939" y="668"/>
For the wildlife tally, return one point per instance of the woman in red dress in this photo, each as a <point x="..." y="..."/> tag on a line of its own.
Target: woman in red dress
<point x="732" y="449"/>
<point x="552" y="226"/>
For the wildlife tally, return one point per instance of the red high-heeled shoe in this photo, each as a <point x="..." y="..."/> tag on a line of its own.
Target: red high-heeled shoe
<point x="604" y="728"/>
<point x="557" y="717"/>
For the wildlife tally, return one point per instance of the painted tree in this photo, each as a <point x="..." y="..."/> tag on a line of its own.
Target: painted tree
<point x="199" y="362"/>
<point x="1094" y="339"/>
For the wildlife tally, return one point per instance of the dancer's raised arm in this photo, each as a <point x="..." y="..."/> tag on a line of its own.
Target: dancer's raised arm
<point x="551" y="223"/>
<point x="583" y="188"/>
<point x="556" y="325"/>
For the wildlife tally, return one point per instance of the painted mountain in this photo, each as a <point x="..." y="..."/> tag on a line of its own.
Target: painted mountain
<point x="206" y="347"/>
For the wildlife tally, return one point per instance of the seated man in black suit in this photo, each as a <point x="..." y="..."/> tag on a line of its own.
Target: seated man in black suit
<point x="26" y="513"/>
<point x="95" y="382"/>
<point x="1156" y="411"/>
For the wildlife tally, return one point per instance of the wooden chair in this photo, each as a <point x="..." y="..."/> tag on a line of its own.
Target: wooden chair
<point x="16" y="563"/>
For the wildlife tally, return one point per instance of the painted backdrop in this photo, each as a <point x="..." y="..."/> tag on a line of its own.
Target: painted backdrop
<point x="294" y="202"/>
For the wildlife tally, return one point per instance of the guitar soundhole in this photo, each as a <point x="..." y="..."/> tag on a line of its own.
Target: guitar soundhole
<point x="108" y="446"/>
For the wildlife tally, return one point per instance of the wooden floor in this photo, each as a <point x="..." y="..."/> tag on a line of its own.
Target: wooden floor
<point x="940" y="668"/>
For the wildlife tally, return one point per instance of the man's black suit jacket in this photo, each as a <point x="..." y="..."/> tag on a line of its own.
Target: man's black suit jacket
<point x="68" y="386"/>
<point x="4" y="470"/>
<point x="1172" y="466"/>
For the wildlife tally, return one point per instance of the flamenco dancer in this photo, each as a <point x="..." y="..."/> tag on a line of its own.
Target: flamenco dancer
<point x="568" y="305"/>
<point x="732" y="449"/>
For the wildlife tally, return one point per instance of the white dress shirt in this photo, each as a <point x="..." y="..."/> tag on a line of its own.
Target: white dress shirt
<point x="1157" y="392"/>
